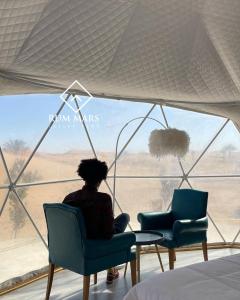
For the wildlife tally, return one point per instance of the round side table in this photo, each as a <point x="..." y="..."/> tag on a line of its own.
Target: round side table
<point x="143" y="238"/>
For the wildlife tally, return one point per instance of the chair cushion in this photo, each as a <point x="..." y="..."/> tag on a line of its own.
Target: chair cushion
<point x="101" y="248"/>
<point x="184" y="239"/>
<point x="95" y="265"/>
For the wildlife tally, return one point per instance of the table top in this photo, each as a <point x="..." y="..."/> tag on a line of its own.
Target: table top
<point x="147" y="237"/>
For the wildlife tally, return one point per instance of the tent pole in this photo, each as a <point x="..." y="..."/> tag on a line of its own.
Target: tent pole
<point x="214" y="224"/>
<point x="207" y="147"/>
<point x="117" y="155"/>
<point x="95" y="155"/>
<point x="185" y="175"/>
<point x="235" y="238"/>
<point x="41" y="139"/>
<point x="218" y="230"/>
<point x="4" y="202"/>
<point x="116" y="148"/>
<point x="5" y="166"/>
<point x="12" y="185"/>
<point x="179" y="186"/>
<point x="85" y="127"/>
<point x="164" y="116"/>
<point x="133" y="134"/>
<point x="2" y="187"/>
<point x="30" y="218"/>
<point x="9" y="179"/>
<point x="237" y="126"/>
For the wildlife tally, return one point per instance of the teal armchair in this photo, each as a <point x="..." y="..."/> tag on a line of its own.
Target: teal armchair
<point x="185" y="224"/>
<point x="69" y="248"/>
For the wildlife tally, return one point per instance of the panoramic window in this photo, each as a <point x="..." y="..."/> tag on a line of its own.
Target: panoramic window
<point x="43" y="166"/>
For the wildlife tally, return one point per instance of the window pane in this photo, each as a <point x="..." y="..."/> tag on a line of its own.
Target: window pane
<point x="112" y="115"/>
<point x="200" y="127"/>
<point x="223" y="156"/>
<point x="140" y="195"/>
<point x="223" y="204"/>
<point x="24" y="119"/>
<point x="36" y="196"/>
<point x="21" y="248"/>
<point x="66" y="144"/>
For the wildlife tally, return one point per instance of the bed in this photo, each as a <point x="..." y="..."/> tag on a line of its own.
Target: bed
<point x="213" y="280"/>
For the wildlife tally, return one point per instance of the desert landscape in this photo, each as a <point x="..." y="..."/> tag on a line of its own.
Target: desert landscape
<point x="20" y="241"/>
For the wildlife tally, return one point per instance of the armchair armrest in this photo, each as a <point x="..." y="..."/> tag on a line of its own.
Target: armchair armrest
<point x="98" y="248"/>
<point x="155" y="220"/>
<point x="123" y="240"/>
<point x="184" y="226"/>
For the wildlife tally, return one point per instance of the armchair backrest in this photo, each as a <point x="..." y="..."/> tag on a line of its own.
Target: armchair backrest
<point x="189" y="204"/>
<point x="66" y="234"/>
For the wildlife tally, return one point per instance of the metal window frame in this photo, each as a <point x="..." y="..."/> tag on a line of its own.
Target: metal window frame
<point x="186" y="174"/>
<point x="14" y="185"/>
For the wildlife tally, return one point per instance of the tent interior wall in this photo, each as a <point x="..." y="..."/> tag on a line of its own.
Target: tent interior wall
<point x="176" y="62"/>
<point x="41" y="173"/>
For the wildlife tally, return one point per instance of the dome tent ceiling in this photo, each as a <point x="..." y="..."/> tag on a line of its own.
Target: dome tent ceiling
<point x="182" y="53"/>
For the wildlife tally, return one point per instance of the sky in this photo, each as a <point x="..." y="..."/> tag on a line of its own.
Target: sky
<point x="26" y="117"/>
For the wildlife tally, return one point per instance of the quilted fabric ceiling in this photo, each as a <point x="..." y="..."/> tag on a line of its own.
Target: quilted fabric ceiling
<point x="182" y="53"/>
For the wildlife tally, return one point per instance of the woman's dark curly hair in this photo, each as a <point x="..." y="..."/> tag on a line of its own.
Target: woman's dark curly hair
<point x="92" y="170"/>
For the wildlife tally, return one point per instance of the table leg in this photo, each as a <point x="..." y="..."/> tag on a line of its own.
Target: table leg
<point x="159" y="257"/>
<point x="138" y="249"/>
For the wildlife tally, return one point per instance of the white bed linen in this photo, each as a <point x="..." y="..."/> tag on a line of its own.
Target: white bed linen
<point x="214" y="280"/>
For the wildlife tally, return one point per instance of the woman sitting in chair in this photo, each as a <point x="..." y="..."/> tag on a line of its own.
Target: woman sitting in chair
<point x="96" y="207"/>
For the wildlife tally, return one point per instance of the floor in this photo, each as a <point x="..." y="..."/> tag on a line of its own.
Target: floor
<point x="68" y="285"/>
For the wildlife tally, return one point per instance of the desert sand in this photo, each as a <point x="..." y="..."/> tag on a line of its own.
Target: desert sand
<point x="133" y="195"/>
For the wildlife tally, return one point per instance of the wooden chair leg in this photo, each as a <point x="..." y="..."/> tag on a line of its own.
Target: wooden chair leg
<point x="174" y="254"/>
<point x="95" y="278"/>
<point x="205" y="251"/>
<point x="133" y="271"/>
<point x="171" y="258"/>
<point x="138" y="250"/>
<point x="125" y="269"/>
<point x="86" y="284"/>
<point x="50" y="280"/>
